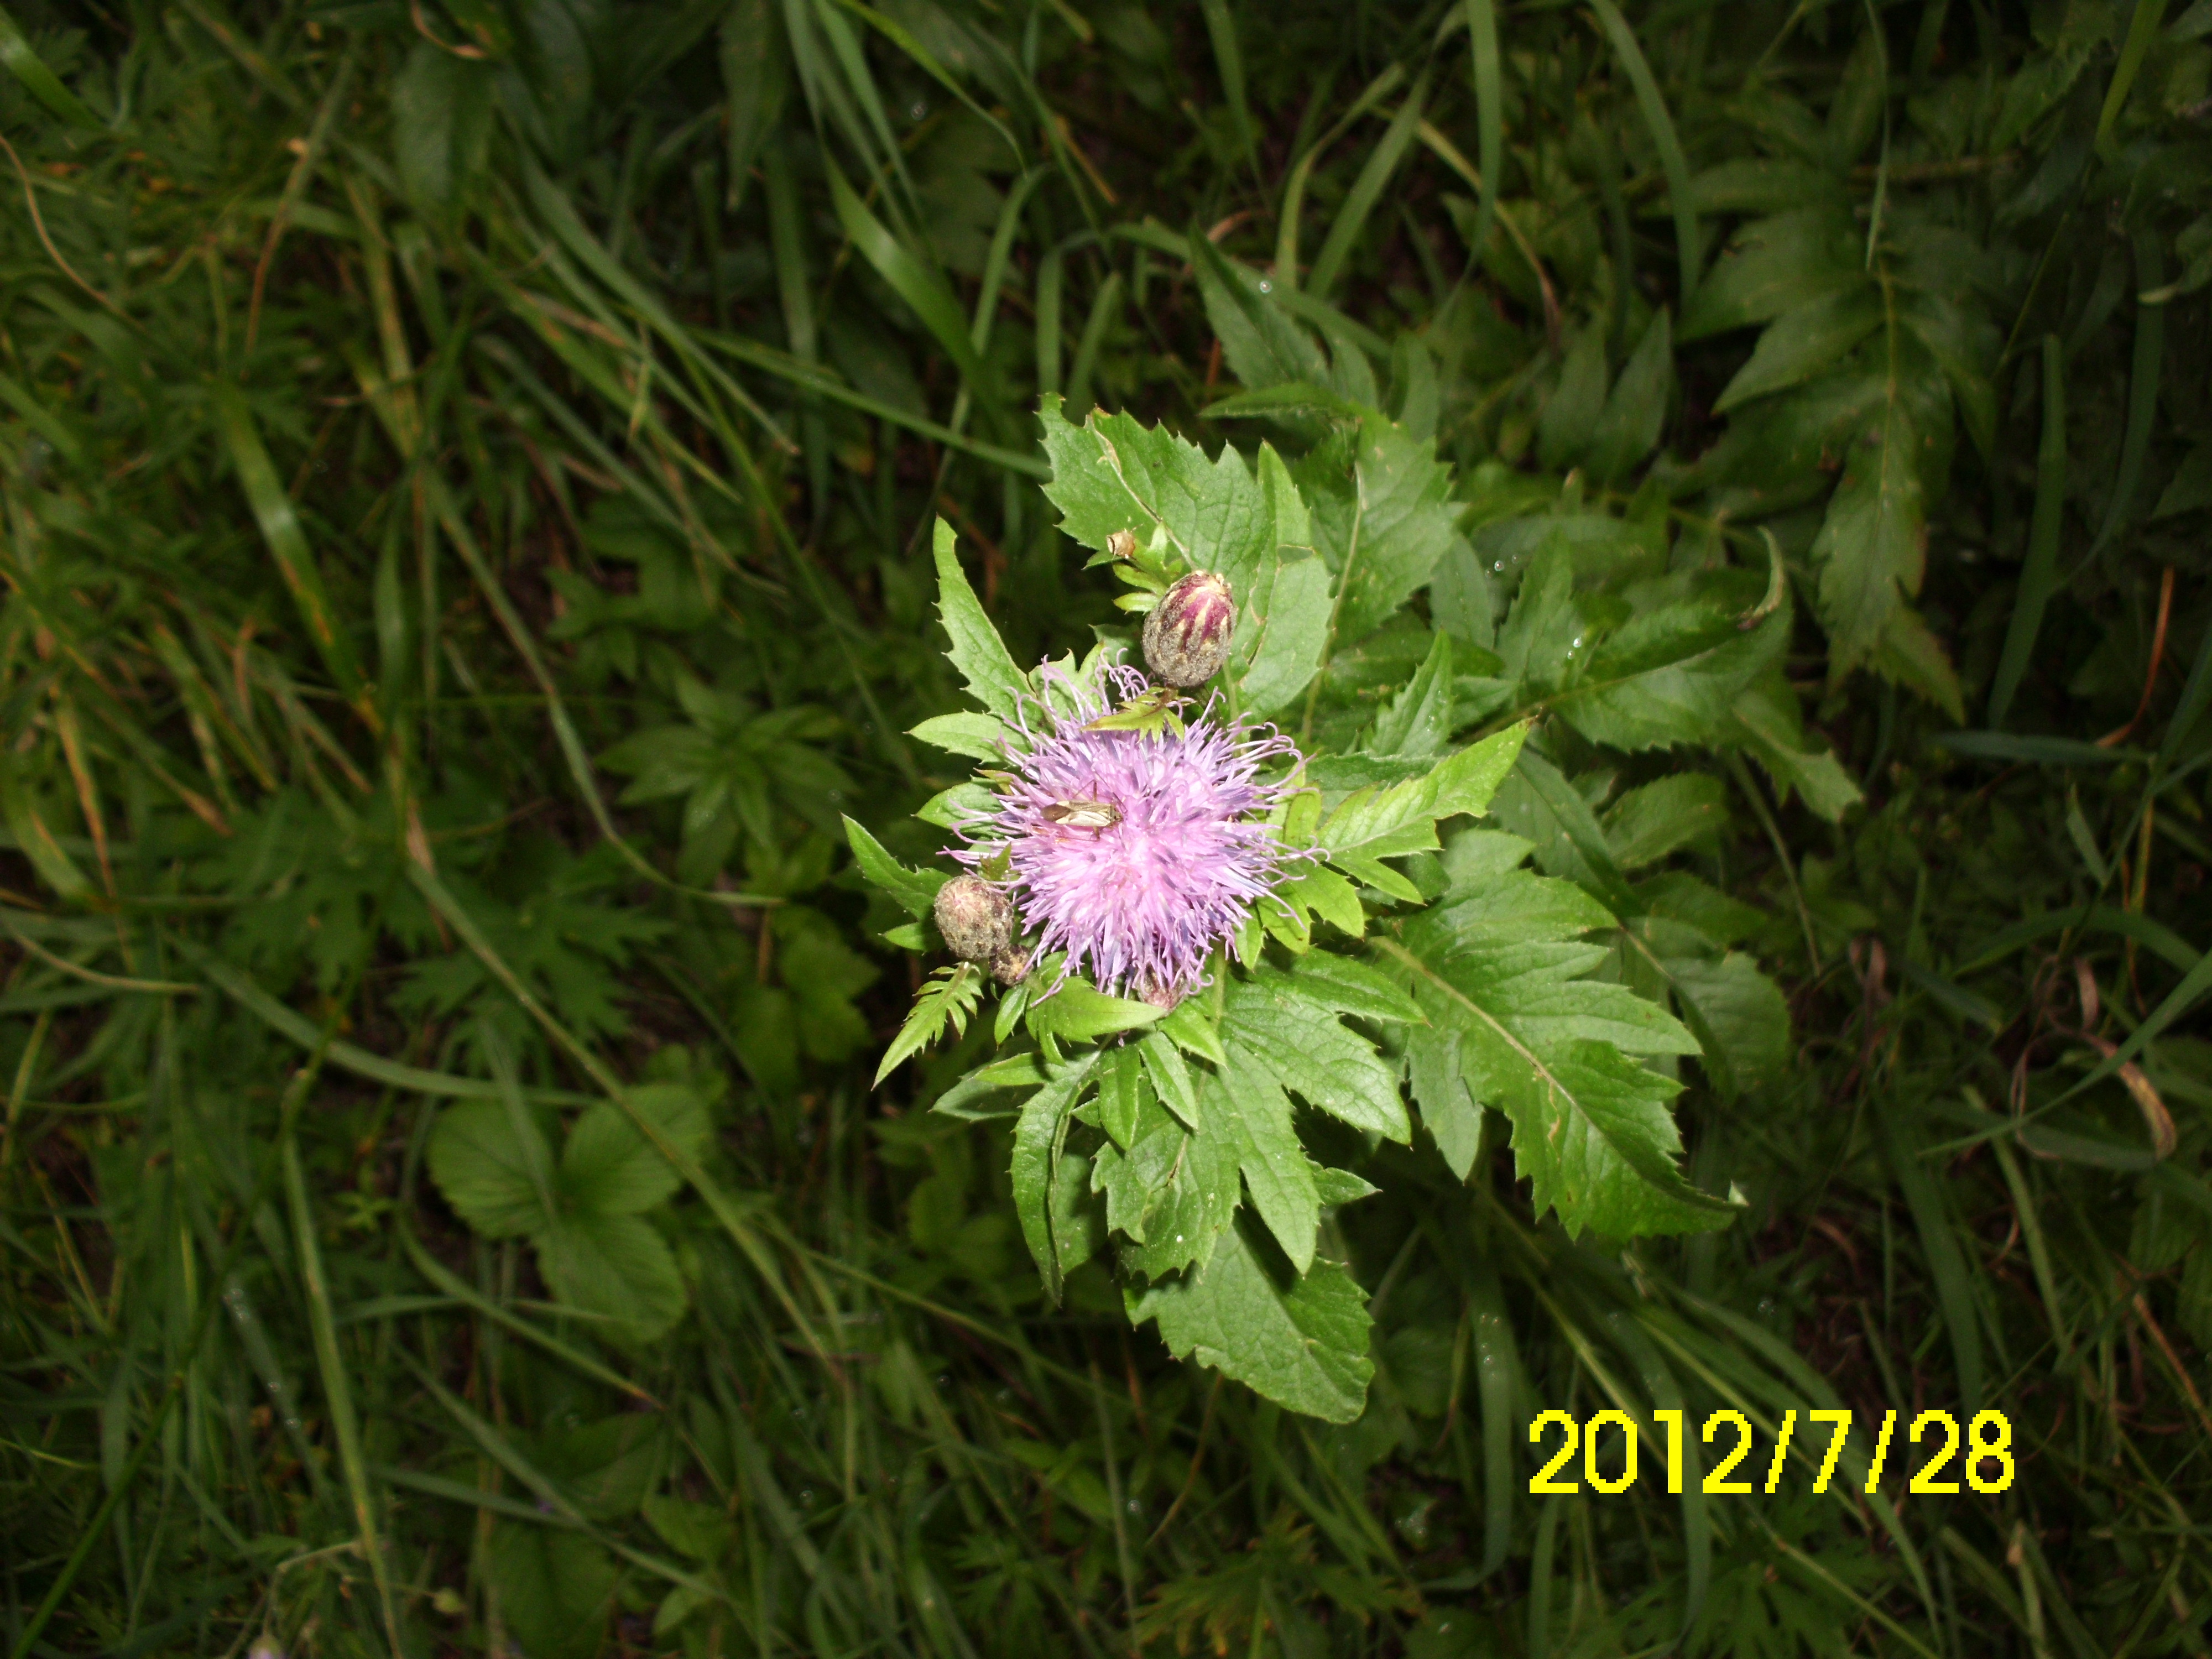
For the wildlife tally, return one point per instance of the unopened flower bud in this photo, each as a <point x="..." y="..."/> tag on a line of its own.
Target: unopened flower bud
<point x="1159" y="994"/>
<point x="1122" y="543"/>
<point x="1187" y="635"/>
<point x="976" y="919"/>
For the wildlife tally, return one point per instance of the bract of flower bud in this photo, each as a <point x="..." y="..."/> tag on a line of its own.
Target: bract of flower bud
<point x="1013" y="963"/>
<point x="1187" y="635"/>
<point x="976" y="919"/>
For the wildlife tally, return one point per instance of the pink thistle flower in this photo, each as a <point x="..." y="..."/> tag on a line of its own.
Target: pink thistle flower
<point x="1136" y="853"/>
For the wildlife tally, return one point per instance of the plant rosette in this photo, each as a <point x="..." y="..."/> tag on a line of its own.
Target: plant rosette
<point x="1188" y="923"/>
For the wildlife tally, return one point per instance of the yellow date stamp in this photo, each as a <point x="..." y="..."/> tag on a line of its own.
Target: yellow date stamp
<point x="1987" y="1439"/>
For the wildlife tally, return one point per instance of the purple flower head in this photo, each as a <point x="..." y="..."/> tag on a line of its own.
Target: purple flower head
<point x="1136" y="853"/>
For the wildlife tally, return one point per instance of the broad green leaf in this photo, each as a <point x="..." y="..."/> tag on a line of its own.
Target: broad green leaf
<point x="1260" y="341"/>
<point x="1326" y="893"/>
<point x="1539" y="805"/>
<point x="1024" y="1071"/>
<point x="1242" y="1103"/>
<point x="609" y="1168"/>
<point x="1191" y="1024"/>
<point x="1281" y="645"/>
<point x="1351" y="987"/>
<point x="1646" y="824"/>
<point x="1738" y="1017"/>
<point x="1376" y="823"/>
<point x="1671" y="675"/>
<point x="1120" y="1094"/>
<point x="1765" y="720"/>
<point x="1448" y="1112"/>
<point x="615" y="1267"/>
<point x="1113" y="473"/>
<point x="1552" y="1049"/>
<point x="977" y="651"/>
<point x="1776" y="265"/>
<point x="1571" y="414"/>
<point x="1183" y="1187"/>
<point x="482" y="1162"/>
<point x="1170" y="1078"/>
<point x="914" y="889"/>
<point x="1803" y="343"/>
<point x="1383" y="517"/>
<point x="961" y="804"/>
<point x="1288" y="1024"/>
<point x="441" y="108"/>
<point x="1301" y="1342"/>
<point x="555" y="1588"/>
<point x="1039" y="1134"/>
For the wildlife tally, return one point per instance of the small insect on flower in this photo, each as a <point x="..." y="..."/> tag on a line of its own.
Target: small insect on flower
<point x="1081" y="814"/>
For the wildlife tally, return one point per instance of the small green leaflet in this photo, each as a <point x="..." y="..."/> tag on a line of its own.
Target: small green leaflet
<point x="1301" y="1341"/>
<point x="948" y="997"/>
<point x="1376" y="823"/>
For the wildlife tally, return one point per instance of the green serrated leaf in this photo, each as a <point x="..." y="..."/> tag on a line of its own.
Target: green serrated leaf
<point x="1190" y="1026"/>
<point x="1012" y="1072"/>
<point x="1670" y="675"/>
<point x="1765" y="720"/>
<point x="1418" y="722"/>
<point x="976" y="650"/>
<point x="1080" y="1012"/>
<point x="961" y="804"/>
<point x="1738" y="1015"/>
<point x="1329" y="895"/>
<point x="979" y="737"/>
<point x="1543" y="1044"/>
<point x="1646" y="824"/>
<point x="1288" y="1023"/>
<point x="914" y="889"/>
<point x="1170" y="1077"/>
<point x="1242" y="1103"/>
<point x="1120" y="1094"/>
<point x="1039" y="1135"/>
<point x="609" y="1168"/>
<point x="1384" y="519"/>
<point x="1301" y="1342"/>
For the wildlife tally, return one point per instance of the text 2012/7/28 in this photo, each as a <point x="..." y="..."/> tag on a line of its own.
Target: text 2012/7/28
<point x="1989" y="1461"/>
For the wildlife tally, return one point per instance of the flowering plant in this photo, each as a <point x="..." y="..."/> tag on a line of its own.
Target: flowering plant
<point x="1191" y="915"/>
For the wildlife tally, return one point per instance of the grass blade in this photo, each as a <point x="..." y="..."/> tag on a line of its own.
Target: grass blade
<point x="1648" y="99"/>
<point x="2038" y="575"/>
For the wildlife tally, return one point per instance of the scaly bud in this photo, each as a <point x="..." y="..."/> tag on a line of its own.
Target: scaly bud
<point x="1011" y="967"/>
<point x="976" y="919"/>
<point x="1187" y="635"/>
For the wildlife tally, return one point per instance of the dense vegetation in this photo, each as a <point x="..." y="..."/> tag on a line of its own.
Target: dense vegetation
<point x="470" y="474"/>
